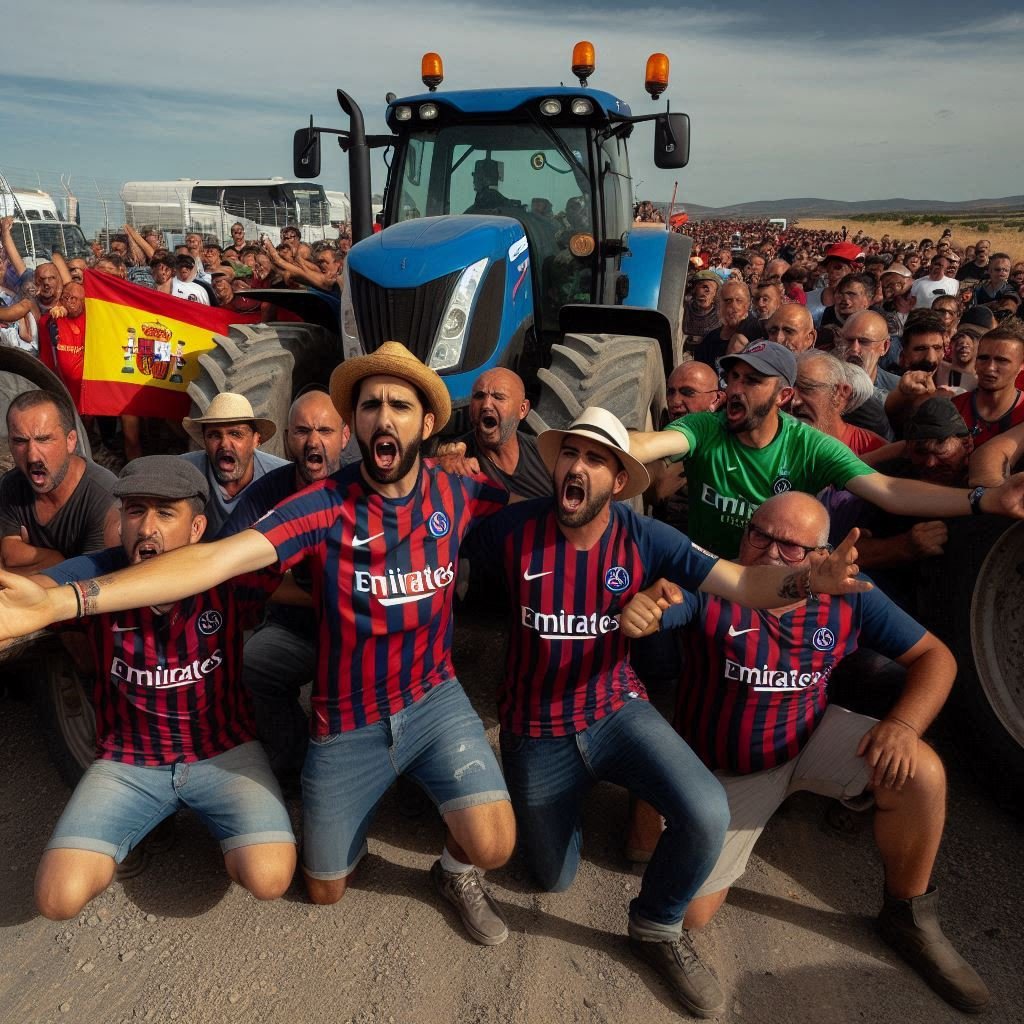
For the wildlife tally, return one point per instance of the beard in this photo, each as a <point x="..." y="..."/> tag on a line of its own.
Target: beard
<point x="402" y="462"/>
<point x="753" y="419"/>
<point x="924" y="364"/>
<point x="575" y="507"/>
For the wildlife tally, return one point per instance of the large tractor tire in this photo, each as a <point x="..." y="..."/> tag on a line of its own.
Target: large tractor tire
<point x="973" y="599"/>
<point x="620" y="373"/>
<point x="269" y="364"/>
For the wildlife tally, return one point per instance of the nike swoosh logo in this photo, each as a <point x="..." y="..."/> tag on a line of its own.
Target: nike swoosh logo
<point x="739" y="632"/>
<point x="361" y="542"/>
<point x="536" y="575"/>
<point x="122" y="629"/>
<point x="731" y="469"/>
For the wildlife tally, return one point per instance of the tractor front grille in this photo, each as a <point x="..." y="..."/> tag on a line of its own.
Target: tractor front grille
<point x="408" y="315"/>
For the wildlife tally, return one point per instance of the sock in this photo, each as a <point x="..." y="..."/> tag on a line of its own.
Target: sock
<point x="453" y="866"/>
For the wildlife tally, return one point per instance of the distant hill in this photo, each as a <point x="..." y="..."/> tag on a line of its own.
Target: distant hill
<point x="795" y="208"/>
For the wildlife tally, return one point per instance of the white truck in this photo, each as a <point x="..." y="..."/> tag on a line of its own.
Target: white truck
<point x="40" y="226"/>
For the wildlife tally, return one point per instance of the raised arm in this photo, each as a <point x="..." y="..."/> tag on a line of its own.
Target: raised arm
<point x="141" y="250"/>
<point x="10" y="246"/>
<point x="930" y="501"/>
<point x="57" y="258"/>
<point x="173" y="576"/>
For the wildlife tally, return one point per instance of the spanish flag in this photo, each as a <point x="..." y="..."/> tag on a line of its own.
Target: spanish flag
<point x="142" y="348"/>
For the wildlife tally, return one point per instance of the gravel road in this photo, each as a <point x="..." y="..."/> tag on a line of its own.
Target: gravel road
<point x="794" y="943"/>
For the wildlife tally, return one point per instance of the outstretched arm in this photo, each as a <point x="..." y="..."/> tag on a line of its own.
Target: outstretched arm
<point x="647" y="446"/>
<point x="992" y="461"/>
<point x="930" y="501"/>
<point x="769" y="586"/>
<point x="171" y="577"/>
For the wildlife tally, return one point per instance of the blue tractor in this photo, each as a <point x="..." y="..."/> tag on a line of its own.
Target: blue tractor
<point x="507" y="239"/>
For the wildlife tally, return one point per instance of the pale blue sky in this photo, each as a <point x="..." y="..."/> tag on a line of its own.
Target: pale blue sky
<point x="868" y="100"/>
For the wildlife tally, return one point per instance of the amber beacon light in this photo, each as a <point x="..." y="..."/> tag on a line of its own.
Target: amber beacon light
<point x="583" y="60"/>
<point x="432" y="70"/>
<point x="656" y="76"/>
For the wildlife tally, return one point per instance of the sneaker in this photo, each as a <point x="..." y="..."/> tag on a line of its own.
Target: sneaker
<point x="479" y="913"/>
<point x="912" y="928"/>
<point x="678" y="964"/>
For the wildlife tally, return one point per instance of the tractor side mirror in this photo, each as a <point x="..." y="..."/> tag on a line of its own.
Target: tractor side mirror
<point x="671" y="141"/>
<point x="306" y="153"/>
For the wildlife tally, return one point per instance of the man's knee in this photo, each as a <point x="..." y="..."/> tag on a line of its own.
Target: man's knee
<point x="928" y="784"/>
<point x="325" y="892"/>
<point x="487" y="833"/>
<point x="265" y="869"/>
<point x="704" y="814"/>
<point x="68" y="879"/>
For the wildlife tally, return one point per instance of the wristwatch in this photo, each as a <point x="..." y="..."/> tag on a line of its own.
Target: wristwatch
<point x="974" y="498"/>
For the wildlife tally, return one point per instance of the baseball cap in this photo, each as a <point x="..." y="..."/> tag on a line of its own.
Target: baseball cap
<point x="934" y="420"/>
<point x="767" y="357"/>
<point x="843" y="251"/>
<point x="979" y="316"/>
<point x="162" y="476"/>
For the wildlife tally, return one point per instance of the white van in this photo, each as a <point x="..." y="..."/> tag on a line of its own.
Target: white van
<point x="39" y="226"/>
<point x="262" y="205"/>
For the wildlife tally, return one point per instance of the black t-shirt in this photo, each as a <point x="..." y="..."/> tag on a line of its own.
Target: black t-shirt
<point x="531" y="478"/>
<point x="76" y="529"/>
<point x="713" y="347"/>
<point x="972" y="272"/>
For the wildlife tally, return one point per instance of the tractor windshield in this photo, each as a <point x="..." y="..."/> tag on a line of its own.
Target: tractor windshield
<point x="540" y="176"/>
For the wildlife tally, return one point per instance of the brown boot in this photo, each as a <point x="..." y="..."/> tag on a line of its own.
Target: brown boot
<point x="912" y="928"/>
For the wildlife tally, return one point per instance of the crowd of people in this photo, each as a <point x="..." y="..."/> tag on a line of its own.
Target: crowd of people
<point x="820" y="425"/>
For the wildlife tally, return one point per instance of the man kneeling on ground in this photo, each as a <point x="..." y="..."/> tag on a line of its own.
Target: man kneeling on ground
<point x="173" y="724"/>
<point x="755" y="708"/>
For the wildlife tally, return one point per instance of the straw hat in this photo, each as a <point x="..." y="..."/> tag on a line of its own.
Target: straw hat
<point x="599" y="425"/>
<point x="228" y="408"/>
<point x="392" y="359"/>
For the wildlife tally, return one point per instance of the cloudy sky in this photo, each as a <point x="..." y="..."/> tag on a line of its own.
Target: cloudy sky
<point x="846" y="101"/>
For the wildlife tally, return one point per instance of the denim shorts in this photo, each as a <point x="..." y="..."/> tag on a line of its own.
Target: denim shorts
<point x="439" y="742"/>
<point x="116" y="805"/>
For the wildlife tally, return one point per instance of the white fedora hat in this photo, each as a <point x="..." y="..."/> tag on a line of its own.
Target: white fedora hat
<point x="228" y="407"/>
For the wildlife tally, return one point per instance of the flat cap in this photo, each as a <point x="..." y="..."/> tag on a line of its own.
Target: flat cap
<point x="162" y="476"/>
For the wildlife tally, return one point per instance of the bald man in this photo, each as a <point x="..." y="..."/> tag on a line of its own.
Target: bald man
<point x="693" y="387"/>
<point x="746" y="668"/>
<point x="791" y="325"/>
<point x="495" y="446"/>
<point x="278" y="659"/>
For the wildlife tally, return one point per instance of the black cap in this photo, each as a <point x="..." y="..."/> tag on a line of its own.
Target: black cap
<point x="162" y="476"/>
<point x="184" y="260"/>
<point x="934" y="420"/>
<point x="979" y="316"/>
<point x="767" y="357"/>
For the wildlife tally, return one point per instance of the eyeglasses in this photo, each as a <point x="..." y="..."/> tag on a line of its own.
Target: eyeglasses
<point x="689" y="392"/>
<point x="789" y="551"/>
<point x="290" y="234"/>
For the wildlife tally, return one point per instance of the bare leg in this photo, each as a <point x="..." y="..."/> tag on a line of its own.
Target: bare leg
<point x="908" y="827"/>
<point x="265" y="869"/>
<point x="484" y="836"/>
<point x="702" y="908"/>
<point x="67" y="879"/>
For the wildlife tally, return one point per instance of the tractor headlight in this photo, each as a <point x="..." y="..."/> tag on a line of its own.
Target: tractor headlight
<point x="428" y="112"/>
<point x="581" y="107"/>
<point x="550" y="107"/>
<point x="451" y="334"/>
<point x="403" y="113"/>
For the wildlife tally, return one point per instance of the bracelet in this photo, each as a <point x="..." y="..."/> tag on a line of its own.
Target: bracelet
<point x="811" y="595"/>
<point x="893" y="718"/>
<point x="78" y="600"/>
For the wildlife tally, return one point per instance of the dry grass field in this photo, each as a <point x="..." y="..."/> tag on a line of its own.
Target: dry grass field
<point x="1002" y="230"/>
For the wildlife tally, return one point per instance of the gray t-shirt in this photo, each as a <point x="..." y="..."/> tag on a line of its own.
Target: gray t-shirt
<point x="530" y="479"/>
<point x="220" y="506"/>
<point x="76" y="529"/>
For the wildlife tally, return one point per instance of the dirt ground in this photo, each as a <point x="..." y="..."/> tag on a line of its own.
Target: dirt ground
<point x="794" y="944"/>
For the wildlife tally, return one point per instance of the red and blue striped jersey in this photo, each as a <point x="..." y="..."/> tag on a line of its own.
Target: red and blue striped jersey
<point x="168" y="685"/>
<point x="568" y="661"/>
<point x="383" y="573"/>
<point x="755" y="685"/>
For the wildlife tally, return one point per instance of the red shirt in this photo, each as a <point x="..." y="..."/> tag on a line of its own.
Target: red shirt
<point x="62" y="349"/>
<point x="983" y="430"/>
<point x="859" y="440"/>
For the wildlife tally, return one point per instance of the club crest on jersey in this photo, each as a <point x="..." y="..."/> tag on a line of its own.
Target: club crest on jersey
<point x="209" y="622"/>
<point x="824" y="639"/>
<point x="616" y="579"/>
<point x="438" y="524"/>
<point x="782" y="484"/>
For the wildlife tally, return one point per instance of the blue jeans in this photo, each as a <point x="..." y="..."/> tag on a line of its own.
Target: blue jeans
<point x="116" y="805"/>
<point x="439" y="742"/>
<point x="636" y="748"/>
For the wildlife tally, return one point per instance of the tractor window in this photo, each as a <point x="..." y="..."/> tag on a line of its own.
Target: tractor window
<point x="540" y="177"/>
<point x="616" y="188"/>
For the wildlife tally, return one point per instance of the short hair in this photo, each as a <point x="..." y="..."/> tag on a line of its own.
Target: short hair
<point x="1008" y="330"/>
<point x="834" y="373"/>
<point x="36" y="397"/>
<point x="866" y="281"/>
<point x="123" y="239"/>
<point x="949" y="298"/>
<point x="861" y="386"/>
<point x="1000" y="256"/>
<point x="922" y="321"/>
<point x="113" y="258"/>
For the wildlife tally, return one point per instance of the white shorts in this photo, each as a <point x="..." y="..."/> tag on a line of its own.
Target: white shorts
<point x="828" y="765"/>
